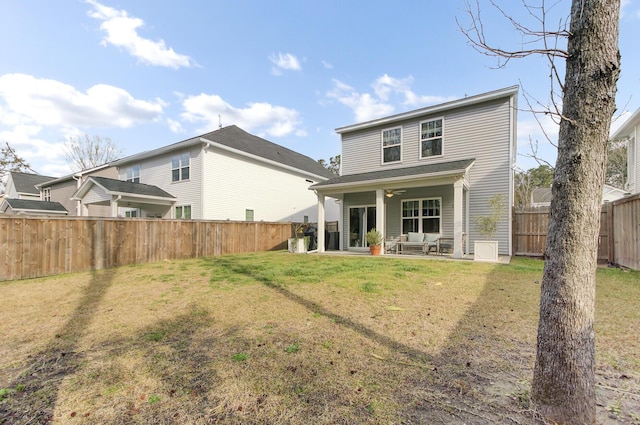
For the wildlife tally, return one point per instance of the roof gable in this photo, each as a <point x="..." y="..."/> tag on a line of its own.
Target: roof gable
<point x="26" y="182"/>
<point x="236" y="138"/>
<point x="435" y="109"/>
<point x="233" y="137"/>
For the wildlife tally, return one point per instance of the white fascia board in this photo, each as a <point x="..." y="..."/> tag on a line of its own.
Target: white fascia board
<point x="74" y="176"/>
<point x="261" y="159"/>
<point x="436" y="109"/>
<point x="130" y="195"/>
<point x="627" y="128"/>
<point x="399" y="182"/>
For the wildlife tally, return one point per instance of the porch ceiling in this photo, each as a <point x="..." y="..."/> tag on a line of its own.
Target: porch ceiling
<point x="422" y="175"/>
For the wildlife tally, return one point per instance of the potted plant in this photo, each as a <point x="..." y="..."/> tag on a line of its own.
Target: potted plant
<point x="374" y="240"/>
<point x="297" y="243"/>
<point x="487" y="250"/>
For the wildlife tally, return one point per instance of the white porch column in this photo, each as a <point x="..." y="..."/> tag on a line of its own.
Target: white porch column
<point x="457" y="218"/>
<point x="114" y="206"/>
<point x="321" y="223"/>
<point x="380" y="218"/>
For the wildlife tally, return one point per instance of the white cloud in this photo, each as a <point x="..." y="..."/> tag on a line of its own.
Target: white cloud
<point x="386" y="86"/>
<point x="44" y="157"/>
<point x="287" y="62"/>
<point x="33" y="111"/>
<point x="543" y="135"/>
<point x="327" y="65"/>
<point x="27" y="100"/>
<point x="122" y="31"/>
<point x="174" y="126"/>
<point x="364" y="106"/>
<point x="387" y="92"/>
<point x="262" y="118"/>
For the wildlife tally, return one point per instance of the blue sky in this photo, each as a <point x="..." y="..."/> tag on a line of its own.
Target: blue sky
<point x="147" y="74"/>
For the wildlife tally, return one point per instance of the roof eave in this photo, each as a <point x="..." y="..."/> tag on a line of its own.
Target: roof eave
<point x="262" y="159"/>
<point x="471" y="100"/>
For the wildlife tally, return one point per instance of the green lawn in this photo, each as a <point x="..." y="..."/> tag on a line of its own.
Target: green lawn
<point x="278" y="338"/>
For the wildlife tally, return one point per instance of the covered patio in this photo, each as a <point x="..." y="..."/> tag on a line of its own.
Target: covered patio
<point x="150" y="200"/>
<point x="429" y="199"/>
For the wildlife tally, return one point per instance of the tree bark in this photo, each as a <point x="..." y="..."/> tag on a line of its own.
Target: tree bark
<point x="564" y="375"/>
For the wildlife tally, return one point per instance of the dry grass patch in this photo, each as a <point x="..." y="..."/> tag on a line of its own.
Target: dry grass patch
<point x="276" y="338"/>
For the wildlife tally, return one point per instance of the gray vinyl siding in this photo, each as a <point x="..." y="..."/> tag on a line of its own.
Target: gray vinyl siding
<point x="63" y="190"/>
<point x="157" y="171"/>
<point x="393" y="206"/>
<point x="482" y="131"/>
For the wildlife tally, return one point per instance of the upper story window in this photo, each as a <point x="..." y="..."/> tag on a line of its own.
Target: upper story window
<point x="133" y="174"/>
<point x="180" y="167"/>
<point x="391" y="145"/>
<point x="431" y="138"/>
<point x="46" y="194"/>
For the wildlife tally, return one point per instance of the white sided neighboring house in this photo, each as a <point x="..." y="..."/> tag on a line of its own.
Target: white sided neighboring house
<point x="541" y="196"/>
<point x="630" y="131"/>
<point x="227" y="174"/>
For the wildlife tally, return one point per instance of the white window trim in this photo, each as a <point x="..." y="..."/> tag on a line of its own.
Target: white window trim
<point x="420" y="217"/>
<point x="133" y="175"/>
<point x="46" y="194"/>
<point x="180" y="167"/>
<point x="382" y="147"/>
<point x="182" y="206"/>
<point x="420" y="138"/>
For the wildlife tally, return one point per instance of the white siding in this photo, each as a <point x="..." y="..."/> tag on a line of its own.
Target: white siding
<point x="157" y="171"/>
<point x="233" y="184"/>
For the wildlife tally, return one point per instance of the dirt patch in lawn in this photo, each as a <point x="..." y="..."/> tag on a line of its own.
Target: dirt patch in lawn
<point x="277" y="338"/>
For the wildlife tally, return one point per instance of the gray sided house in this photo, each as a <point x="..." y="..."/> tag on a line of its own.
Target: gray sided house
<point x="429" y="171"/>
<point x="62" y="189"/>
<point x="227" y="174"/>
<point x="23" y="197"/>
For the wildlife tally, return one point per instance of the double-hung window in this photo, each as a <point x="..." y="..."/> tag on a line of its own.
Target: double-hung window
<point x="133" y="174"/>
<point x="183" y="212"/>
<point x="421" y="215"/>
<point x="180" y="167"/>
<point x="391" y="145"/>
<point x="46" y="194"/>
<point x="431" y="136"/>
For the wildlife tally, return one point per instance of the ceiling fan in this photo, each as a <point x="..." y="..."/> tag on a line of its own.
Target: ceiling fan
<point x="390" y="192"/>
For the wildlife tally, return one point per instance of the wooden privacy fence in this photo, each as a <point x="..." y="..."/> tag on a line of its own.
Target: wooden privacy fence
<point x="35" y="247"/>
<point x="619" y="237"/>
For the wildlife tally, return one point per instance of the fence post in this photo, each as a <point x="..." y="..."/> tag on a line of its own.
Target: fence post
<point x="610" y="236"/>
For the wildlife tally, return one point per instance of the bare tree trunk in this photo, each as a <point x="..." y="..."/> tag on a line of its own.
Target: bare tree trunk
<point x="564" y="375"/>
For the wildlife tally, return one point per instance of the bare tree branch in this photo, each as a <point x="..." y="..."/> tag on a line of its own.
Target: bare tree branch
<point x="86" y="152"/>
<point x="475" y="35"/>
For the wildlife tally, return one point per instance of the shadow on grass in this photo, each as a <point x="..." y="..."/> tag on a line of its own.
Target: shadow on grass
<point x="40" y="381"/>
<point x="482" y="373"/>
<point x="175" y="364"/>
<point x="254" y="273"/>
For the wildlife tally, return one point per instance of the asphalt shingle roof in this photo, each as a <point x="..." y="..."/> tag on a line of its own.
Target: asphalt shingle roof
<point x="442" y="167"/>
<point x="26" y="182"/>
<point x="30" y="204"/>
<point x="121" y="186"/>
<point x="236" y="138"/>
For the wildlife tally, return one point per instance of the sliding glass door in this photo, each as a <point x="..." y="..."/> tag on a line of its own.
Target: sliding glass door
<point x="361" y="220"/>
